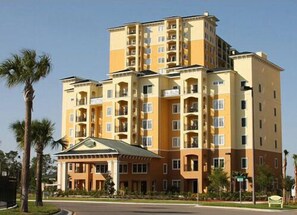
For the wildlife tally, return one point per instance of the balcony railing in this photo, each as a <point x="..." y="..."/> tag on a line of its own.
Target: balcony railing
<point x="190" y="90"/>
<point x="172" y="92"/>
<point x="122" y="93"/>
<point x="121" y="129"/>
<point x="191" y="144"/>
<point x="81" y="101"/>
<point x="191" y="127"/>
<point x="191" y="109"/>
<point x="80" y="134"/>
<point x="121" y="112"/>
<point x="81" y="119"/>
<point x="96" y="101"/>
<point x="190" y="168"/>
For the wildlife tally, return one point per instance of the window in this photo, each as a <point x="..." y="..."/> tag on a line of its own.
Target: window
<point x="148" y="61"/>
<point x="148" y="50"/>
<point x="176" y="108"/>
<point x="274" y="94"/>
<point x="108" y="127"/>
<point x="175" y="125"/>
<point x="161" y="28"/>
<point x="243" y="83"/>
<point x="165" y="184"/>
<point x="161" y="39"/>
<point x="147" y="107"/>
<point x="243" y="139"/>
<point x="160" y="49"/>
<point x="274" y="111"/>
<point x="260" y="106"/>
<point x="260" y="160"/>
<point x="275" y="163"/>
<point x="219" y="82"/>
<point x="108" y="111"/>
<point x="176" y="184"/>
<point x="101" y="168"/>
<point x="165" y="168"/>
<point x="275" y="127"/>
<point x="147" y="29"/>
<point x="218" y="163"/>
<point x="244" y="163"/>
<point x="175" y="142"/>
<point x="261" y="141"/>
<point x="139" y="168"/>
<point x="219" y="139"/>
<point x="71" y="134"/>
<point x="147" y="40"/>
<point x="109" y="93"/>
<point x="123" y="168"/>
<point x="260" y="123"/>
<point x="147" y="141"/>
<point x="218" y="122"/>
<point x="243" y="104"/>
<point x="147" y="124"/>
<point x="218" y="104"/>
<point x="161" y="60"/>
<point x="147" y="89"/>
<point x="71" y="118"/>
<point x="275" y="144"/>
<point x="70" y="167"/>
<point x="243" y="122"/>
<point x="175" y="164"/>
<point x="260" y="88"/>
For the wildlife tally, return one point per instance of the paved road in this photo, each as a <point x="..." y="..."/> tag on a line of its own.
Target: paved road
<point x="85" y="208"/>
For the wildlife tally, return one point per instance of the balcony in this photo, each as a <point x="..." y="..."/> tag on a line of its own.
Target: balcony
<point x="122" y="93"/>
<point x="82" y="101"/>
<point x="131" y="43"/>
<point x="80" y="134"/>
<point x="172" y="37"/>
<point x="96" y="101"/>
<point x="170" y="93"/>
<point x="81" y="119"/>
<point x="191" y="144"/>
<point x="192" y="89"/>
<point x="191" y="127"/>
<point x="121" y="112"/>
<point x="191" y="109"/>
<point x="119" y="129"/>
<point x="132" y="32"/>
<point x="191" y="168"/>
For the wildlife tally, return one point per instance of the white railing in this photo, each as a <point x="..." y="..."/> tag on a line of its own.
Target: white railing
<point x="172" y="92"/>
<point x="95" y="101"/>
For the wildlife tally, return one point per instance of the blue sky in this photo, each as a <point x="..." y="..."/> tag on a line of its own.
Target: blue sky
<point x="74" y="33"/>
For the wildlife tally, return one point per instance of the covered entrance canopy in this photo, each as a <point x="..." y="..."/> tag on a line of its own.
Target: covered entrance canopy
<point x="92" y="151"/>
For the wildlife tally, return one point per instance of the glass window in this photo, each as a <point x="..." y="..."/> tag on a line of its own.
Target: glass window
<point x="218" y="163"/>
<point x="161" y="60"/>
<point x="243" y="104"/>
<point x="175" y="125"/>
<point x="108" y="127"/>
<point x="139" y="168"/>
<point x="243" y="140"/>
<point x="165" y="168"/>
<point x="71" y="118"/>
<point x="243" y="122"/>
<point x="101" y="168"/>
<point x="244" y="163"/>
<point x="108" y="111"/>
<point x="123" y="168"/>
<point x="219" y="139"/>
<point x="218" y="104"/>
<point x="161" y="49"/>
<point x="147" y="107"/>
<point x="175" y="164"/>
<point x="218" y="122"/>
<point x="109" y="93"/>
<point x="165" y="184"/>
<point x="147" y="124"/>
<point x="147" y="89"/>
<point x="175" y="142"/>
<point x="176" y="108"/>
<point x="147" y="141"/>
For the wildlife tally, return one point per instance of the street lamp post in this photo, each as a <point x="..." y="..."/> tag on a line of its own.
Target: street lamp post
<point x="247" y="88"/>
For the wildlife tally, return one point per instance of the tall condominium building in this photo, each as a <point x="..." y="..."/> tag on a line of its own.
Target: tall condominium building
<point x="172" y="110"/>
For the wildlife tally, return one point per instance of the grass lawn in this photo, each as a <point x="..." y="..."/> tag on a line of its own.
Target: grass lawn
<point x="33" y="210"/>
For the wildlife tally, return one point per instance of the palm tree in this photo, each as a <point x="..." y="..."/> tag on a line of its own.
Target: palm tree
<point x="42" y="136"/>
<point x="25" y="69"/>
<point x="285" y="176"/>
<point x="295" y="165"/>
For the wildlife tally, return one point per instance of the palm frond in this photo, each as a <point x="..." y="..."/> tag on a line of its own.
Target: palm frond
<point x="18" y="128"/>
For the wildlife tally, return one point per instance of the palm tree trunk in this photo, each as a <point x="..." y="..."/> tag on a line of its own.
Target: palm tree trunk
<point x="295" y="184"/>
<point x="26" y="154"/>
<point x="284" y="181"/>
<point x="38" y="200"/>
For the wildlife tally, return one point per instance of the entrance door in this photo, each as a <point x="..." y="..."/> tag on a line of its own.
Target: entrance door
<point x="194" y="186"/>
<point x="143" y="187"/>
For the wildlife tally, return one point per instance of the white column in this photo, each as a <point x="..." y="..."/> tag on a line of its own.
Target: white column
<point x="63" y="176"/>
<point x="116" y="174"/>
<point x="59" y="175"/>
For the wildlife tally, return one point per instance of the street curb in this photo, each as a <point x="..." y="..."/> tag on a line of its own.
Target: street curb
<point x="64" y="212"/>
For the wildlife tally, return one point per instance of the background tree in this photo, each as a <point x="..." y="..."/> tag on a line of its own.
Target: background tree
<point x="25" y="69"/>
<point x="295" y="170"/>
<point x="218" y="181"/>
<point x="285" y="176"/>
<point x="264" y="179"/>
